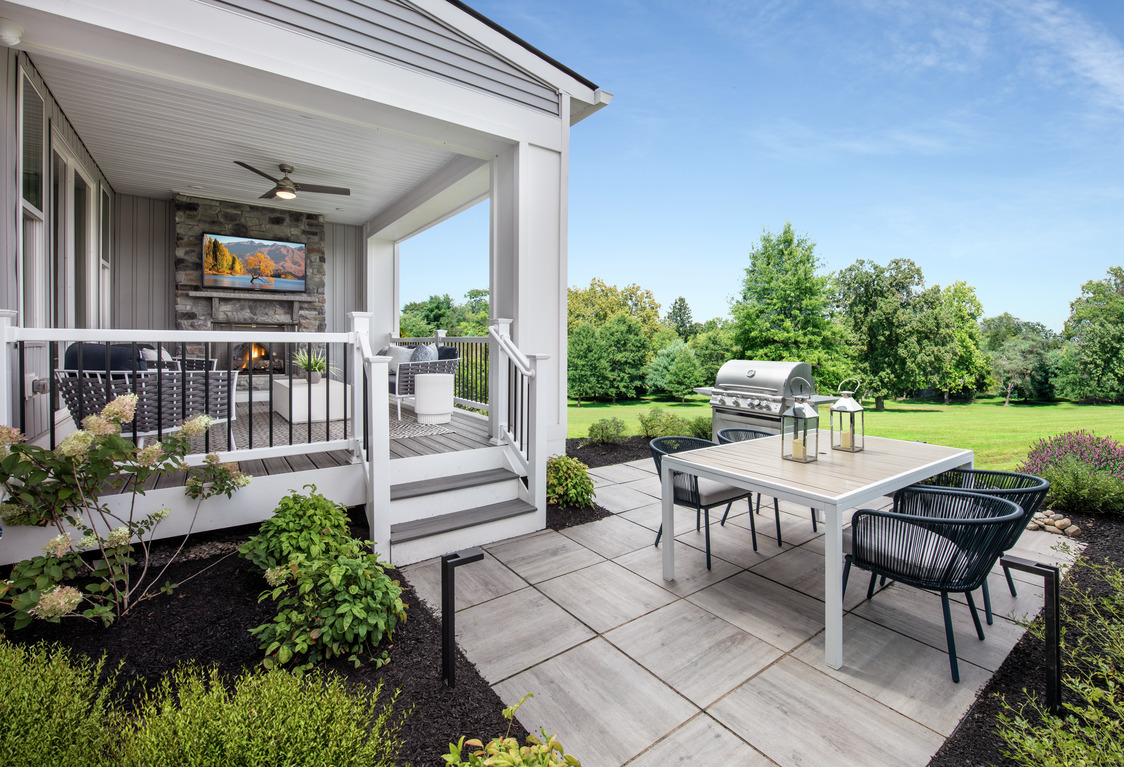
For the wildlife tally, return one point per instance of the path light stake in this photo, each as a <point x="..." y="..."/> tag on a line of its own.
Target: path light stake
<point x="449" y="563"/>
<point x="848" y="437"/>
<point x="800" y="428"/>
<point x="1051" y="616"/>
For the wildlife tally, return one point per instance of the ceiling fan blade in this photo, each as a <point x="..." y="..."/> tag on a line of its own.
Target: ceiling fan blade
<point x="322" y="189"/>
<point x="255" y="170"/>
<point x="269" y="195"/>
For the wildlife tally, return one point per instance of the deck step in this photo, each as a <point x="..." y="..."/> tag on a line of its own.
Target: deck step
<point x="450" y="483"/>
<point x="444" y="523"/>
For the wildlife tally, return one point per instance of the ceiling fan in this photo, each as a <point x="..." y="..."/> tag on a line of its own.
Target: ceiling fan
<point x="286" y="189"/>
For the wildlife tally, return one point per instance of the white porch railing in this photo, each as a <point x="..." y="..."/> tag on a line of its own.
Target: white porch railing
<point x="517" y="410"/>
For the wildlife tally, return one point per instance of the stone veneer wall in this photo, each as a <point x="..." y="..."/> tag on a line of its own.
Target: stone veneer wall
<point x="199" y="309"/>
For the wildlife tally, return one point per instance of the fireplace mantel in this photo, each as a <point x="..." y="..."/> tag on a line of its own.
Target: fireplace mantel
<point x="217" y="297"/>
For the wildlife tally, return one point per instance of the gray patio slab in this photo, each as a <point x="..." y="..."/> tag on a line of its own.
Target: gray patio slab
<point x="732" y="543"/>
<point x="701" y="741"/>
<point x="543" y="555"/>
<point x="644" y="464"/>
<point x="1027" y="604"/>
<point x="605" y="595"/>
<point x="779" y="615"/>
<point x="618" y="498"/>
<point x="803" y="570"/>
<point x="798" y="716"/>
<point x="487" y="579"/>
<point x="917" y="614"/>
<point x="511" y="633"/>
<point x="603" y="706"/>
<point x="902" y="673"/>
<point x="795" y="528"/>
<point x="697" y="653"/>
<point x="650" y="515"/>
<point x="690" y="568"/>
<point x="619" y="473"/>
<point x="611" y="537"/>
<point x="649" y="485"/>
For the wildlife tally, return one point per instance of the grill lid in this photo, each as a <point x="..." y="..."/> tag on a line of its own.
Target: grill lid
<point x="762" y="377"/>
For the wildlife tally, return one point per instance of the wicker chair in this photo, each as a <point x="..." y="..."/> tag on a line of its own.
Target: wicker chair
<point x="695" y="492"/>
<point x="164" y="398"/>
<point x="725" y="436"/>
<point x="1026" y="490"/>
<point x="936" y="539"/>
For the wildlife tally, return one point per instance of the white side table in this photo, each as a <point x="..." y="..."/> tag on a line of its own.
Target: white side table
<point x="433" y="397"/>
<point x="338" y="395"/>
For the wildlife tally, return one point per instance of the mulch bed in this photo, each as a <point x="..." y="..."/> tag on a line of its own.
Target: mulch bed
<point x="207" y="620"/>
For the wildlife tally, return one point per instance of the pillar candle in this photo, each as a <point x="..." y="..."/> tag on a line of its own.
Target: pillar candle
<point x="798" y="449"/>
<point x="845" y="440"/>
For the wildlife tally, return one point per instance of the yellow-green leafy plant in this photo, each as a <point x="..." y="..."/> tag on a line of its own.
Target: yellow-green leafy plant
<point x="507" y="751"/>
<point x="607" y="431"/>
<point x="568" y="483"/>
<point x="63" y="489"/>
<point x="303" y="523"/>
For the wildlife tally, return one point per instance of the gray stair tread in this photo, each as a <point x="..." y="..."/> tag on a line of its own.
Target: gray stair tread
<point x="445" y="484"/>
<point x="443" y="523"/>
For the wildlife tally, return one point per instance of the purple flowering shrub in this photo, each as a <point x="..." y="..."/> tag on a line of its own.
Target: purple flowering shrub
<point x="1086" y="472"/>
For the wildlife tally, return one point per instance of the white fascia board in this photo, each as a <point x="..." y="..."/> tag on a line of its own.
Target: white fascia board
<point x="508" y="49"/>
<point x="458" y="186"/>
<point x="201" y="44"/>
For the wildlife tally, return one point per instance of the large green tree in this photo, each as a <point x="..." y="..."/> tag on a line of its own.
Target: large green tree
<point x="713" y="347"/>
<point x="587" y="365"/>
<point x="1021" y="367"/>
<point x="679" y="318"/>
<point x="967" y="367"/>
<point x="783" y="312"/>
<point x="996" y="331"/>
<point x="900" y="334"/>
<point x="627" y="355"/>
<point x="597" y="303"/>
<point x="1091" y="365"/>
<point x="673" y="371"/>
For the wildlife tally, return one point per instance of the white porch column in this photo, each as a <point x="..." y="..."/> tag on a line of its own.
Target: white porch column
<point x="376" y="431"/>
<point x="382" y="290"/>
<point x="528" y="270"/>
<point x="9" y="395"/>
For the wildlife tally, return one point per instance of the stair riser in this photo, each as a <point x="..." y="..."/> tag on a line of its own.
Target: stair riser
<point x="422" y="506"/>
<point x="407" y="553"/>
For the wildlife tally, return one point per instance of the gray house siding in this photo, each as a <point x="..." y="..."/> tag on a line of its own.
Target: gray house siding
<point x="9" y="186"/>
<point x="143" y="287"/>
<point x="345" y="278"/>
<point x="399" y="32"/>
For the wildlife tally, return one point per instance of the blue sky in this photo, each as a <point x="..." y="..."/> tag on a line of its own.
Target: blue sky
<point x="982" y="139"/>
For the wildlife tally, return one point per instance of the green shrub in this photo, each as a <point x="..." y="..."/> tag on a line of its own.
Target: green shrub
<point x="607" y="431"/>
<point x="661" y="422"/>
<point x="333" y="606"/>
<point x="568" y="483"/>
<point x="1077" y="486"/>
<point x="699" y="427"/>
<point x="1090" y="732"/>
<point x="309" y="524"/>
<point x="546" y="752"/>
<point x="53" y="710"/>
<point x="268" y="718"/>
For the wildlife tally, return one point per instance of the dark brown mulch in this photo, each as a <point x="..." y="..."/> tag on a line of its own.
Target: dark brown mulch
<point x="561" y="517"/>
<point x="976" y="741"/>
<point x="632" y="449"/>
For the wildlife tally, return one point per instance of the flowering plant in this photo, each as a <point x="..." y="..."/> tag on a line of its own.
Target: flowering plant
<point x="62" y="488"/>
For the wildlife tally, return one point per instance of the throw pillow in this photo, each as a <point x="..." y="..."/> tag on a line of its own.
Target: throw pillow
<point x="424" y="353"/>
<point x="398" y="355"/>
<point x="447" y="353"/>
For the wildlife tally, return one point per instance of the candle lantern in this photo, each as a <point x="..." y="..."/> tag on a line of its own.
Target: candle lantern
<point x="800" y="428"/>
<point x="847" y="422"/>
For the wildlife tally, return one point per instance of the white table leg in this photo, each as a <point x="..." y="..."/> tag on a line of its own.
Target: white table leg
<point x="667" y="494"/>
<point x="833" y="587"/>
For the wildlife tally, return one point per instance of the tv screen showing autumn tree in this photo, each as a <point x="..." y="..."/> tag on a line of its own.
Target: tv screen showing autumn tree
<point x="251" y="263"/>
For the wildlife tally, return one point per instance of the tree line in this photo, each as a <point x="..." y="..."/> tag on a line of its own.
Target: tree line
<point x="879" y="323"/>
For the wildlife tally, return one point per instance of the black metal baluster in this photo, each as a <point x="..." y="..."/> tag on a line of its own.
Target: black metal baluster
<point x="231" y="402"/>
<point x="308" y="388"/>
<point x="207" y="392"/>
<point x="269" y="353"/>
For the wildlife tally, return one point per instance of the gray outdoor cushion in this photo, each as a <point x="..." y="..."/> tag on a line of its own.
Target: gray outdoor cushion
<point x="398" y="355"/>
<point x="447" y="353"/>
<point x="712" y="493"/>
<point x="424" y="353"/>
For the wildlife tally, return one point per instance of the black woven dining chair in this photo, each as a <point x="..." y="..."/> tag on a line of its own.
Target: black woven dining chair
<point x="935" y="539"/>
<point x="726" y="436"/>
<point x="698" y="493"/>
<point x="1026" y="490"/>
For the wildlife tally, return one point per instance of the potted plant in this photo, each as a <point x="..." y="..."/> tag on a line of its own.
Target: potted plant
<point x="312" y="363"/>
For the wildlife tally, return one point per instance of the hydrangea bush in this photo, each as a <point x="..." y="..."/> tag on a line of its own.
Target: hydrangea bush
<point x="62" y="488"/>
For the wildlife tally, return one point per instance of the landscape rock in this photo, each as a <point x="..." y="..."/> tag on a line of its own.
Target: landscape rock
<point x="1062" y="524"/>
<point x="1034" y="526"/>
<point x="1073" y="530"/>
<point x="1054" y="530"/>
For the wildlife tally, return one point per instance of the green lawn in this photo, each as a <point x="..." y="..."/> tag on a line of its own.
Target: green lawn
<point x="1000" y="436"/>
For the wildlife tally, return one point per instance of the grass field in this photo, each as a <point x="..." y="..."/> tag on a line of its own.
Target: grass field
<point x="1000" y="436"/>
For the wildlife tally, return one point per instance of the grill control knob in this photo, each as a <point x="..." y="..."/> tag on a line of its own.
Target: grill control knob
<point x="736" y="402"/>
<point x="757" y="403"/>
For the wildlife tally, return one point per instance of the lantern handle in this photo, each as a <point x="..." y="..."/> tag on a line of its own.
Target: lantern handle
<point x="845" y="380"/>
<point x="811" y="389"/>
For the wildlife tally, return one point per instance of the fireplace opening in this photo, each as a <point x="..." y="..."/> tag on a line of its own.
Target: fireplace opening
<point x="257" y="357"/>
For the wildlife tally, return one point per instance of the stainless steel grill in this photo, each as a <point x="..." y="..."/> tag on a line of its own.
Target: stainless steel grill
<point x="752" y="394"/>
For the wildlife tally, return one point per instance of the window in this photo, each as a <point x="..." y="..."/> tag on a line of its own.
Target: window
<point x="31" y="138"/>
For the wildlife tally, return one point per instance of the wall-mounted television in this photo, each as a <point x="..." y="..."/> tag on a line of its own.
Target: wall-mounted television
<point x="253" y="263"/>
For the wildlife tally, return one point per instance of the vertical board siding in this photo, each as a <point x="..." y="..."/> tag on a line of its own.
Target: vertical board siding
<point x="9" y="185"/>
<point x="397" y="31"/>
<point x="143" y="274"/>
<point x="345" y="277"/>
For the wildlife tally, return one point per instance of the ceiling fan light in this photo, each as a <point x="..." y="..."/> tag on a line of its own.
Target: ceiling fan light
<point x="285" y="194"/>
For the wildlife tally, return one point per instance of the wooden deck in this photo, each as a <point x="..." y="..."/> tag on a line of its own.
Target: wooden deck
<point x="465" y="432"/>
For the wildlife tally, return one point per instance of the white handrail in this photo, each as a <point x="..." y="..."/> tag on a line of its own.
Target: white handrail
<point x="512" y="351"/>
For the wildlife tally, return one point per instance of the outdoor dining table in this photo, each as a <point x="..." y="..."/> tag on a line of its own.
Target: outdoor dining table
<point x="834" y="483"/>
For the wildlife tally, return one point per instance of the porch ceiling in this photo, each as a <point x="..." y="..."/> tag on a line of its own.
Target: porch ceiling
<point x="155" y="137"/>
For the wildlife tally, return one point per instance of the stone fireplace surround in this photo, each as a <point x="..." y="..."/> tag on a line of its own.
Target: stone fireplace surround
<point x="199" y="309"/>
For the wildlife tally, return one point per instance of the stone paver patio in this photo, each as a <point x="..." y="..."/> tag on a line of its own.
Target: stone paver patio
<point x="721" y="666"/>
